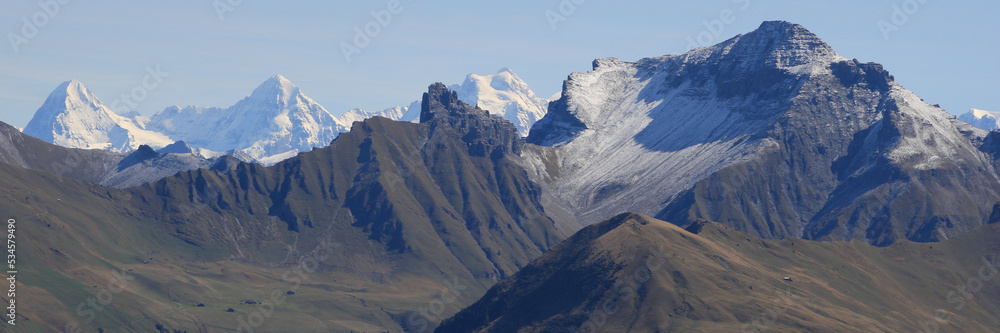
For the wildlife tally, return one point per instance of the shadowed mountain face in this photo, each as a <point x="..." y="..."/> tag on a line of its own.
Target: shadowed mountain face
<point x="399" y="212"/>
<point x="637" y="274"/>
<point x="96" y="166"/>
<point x="771" y="132"/>
<point x="386" y="185"/>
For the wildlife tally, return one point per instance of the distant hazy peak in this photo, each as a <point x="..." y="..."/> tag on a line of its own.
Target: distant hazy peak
<point x="988" y="120"/>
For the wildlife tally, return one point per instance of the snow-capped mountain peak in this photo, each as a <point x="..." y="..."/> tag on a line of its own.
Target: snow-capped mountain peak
<point x="504" y="94"/>
<point x="276" y="119"/>
<point x="278" y="88"/>
<point x="988" y="120"/>
<point x="74" y="92"/>
<point x="786" y="45"/>
<point x="70" y="96"/>
<point x="73" y="117"/>
<point x="657" y="135"/>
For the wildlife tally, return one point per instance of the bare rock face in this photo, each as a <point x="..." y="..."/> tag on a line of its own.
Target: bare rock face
<point x="485" y="134"/>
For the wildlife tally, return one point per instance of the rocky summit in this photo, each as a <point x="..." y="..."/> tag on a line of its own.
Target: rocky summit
<point x="771" y="132"/>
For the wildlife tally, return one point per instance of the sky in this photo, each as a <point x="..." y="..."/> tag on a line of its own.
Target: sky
<point x="147" y="55"/>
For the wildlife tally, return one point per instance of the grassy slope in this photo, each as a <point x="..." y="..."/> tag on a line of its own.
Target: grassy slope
<point x="724" y="280"/>
<point x="391" y="218"/>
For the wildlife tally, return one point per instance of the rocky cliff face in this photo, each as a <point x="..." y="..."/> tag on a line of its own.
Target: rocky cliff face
<point x="485" y="135"/>
<point x="503" y="94"/>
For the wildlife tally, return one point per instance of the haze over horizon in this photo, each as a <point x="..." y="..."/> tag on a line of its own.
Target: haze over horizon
<point x="216" y="53"/>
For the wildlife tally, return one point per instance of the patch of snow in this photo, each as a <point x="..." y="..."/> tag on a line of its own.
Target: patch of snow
<point x="274" y="159"/>
<point x="930" y="137"/>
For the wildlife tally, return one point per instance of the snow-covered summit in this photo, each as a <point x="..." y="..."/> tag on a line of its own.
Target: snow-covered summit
<point x="275" y="119"/>
<point x="274" y="122"/>
<point x="276" y="91"/>
<point x="504" y="94"/>
<point x="73" y="117"/>
<point x="640" y="136"/>
<point x="987" y="120"/>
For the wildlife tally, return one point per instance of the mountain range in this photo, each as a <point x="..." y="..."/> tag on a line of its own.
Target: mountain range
<point x="102" y="167"/>
<point x="394" y="211"/>
<point x="275" y="122"/>
<point x="773" y="183"/>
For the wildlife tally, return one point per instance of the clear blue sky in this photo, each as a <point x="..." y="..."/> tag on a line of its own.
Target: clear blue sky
<point x="945" y="51"/>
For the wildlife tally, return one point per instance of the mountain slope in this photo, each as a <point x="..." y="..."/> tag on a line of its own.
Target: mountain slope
<point x="987" y="120"/>
<point x="371" y="233"/>
<point x="637" y="274"/>
<point x="503" y="94"/>
<point x="771" y="132"/>
<point x="277" y="118"/>
<point x="96" y="166"/>
<point x="367" y="175"/>
<point x="73" y="117"/>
